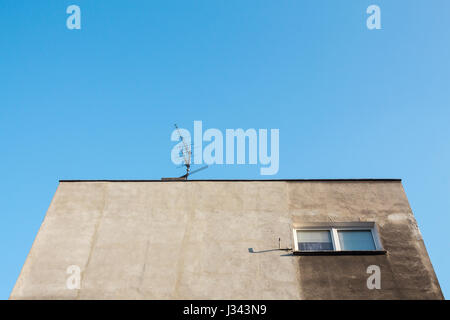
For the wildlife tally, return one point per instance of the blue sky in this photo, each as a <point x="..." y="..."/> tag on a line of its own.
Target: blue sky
<point x="100" y="102"/>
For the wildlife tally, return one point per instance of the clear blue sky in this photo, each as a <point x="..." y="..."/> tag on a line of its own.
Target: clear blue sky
<point x="100" y="102"/>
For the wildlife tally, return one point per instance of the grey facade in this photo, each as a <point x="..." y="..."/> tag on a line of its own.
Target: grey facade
<point x="220" y="240"/>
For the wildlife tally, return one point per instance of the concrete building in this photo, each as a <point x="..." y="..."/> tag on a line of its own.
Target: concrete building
<point x="274" y="239"/>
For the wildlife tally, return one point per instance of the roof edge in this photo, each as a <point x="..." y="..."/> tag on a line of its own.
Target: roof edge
<point x="245" y="180"/>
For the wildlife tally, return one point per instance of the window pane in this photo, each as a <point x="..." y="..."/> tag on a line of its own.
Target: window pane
<point x="356" y="240"/>
<point x="315" y="240"/>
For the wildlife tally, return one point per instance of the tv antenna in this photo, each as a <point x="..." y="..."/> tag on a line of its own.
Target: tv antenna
<point x="186" y="152"/>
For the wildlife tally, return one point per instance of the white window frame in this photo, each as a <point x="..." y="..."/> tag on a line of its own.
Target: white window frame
<point x="333" y="242"/>
<point x="335" y="236"/>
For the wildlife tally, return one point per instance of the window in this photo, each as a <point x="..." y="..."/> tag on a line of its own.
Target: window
<point x="356" y="240"/>
<point x="314" y="240"/>
<point x="342" y="237"/>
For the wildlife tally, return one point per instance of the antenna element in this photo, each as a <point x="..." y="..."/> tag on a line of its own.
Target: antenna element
<point x="187" y="153"/>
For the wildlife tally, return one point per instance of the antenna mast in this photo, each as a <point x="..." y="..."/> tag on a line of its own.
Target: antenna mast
<point x="186" y="154"/>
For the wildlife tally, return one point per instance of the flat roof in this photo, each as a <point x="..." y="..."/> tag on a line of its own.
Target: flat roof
<point x="246" y="180"/>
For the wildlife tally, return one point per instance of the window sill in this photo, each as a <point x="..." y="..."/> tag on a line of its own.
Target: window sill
<point x="340" y="253"/>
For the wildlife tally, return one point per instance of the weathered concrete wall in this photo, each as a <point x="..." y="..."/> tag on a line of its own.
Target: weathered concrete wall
<point x="191" y="240"/>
